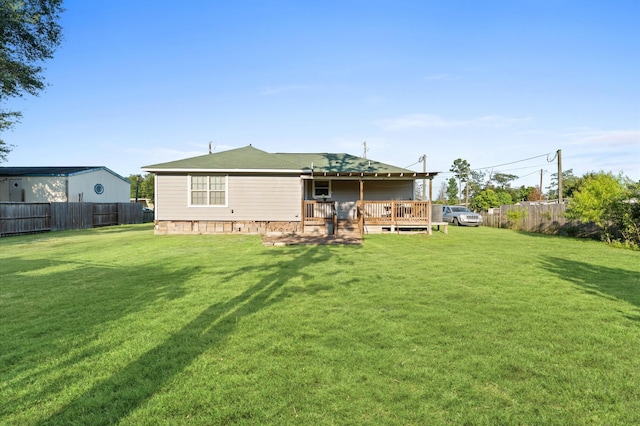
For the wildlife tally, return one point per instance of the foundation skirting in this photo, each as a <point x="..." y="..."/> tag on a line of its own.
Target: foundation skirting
<point x="165" y="227"/>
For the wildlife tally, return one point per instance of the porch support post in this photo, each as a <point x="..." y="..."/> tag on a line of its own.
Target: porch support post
<point x="361" y="206"/>
<point x="394" y="219"/>
<point x="302" y="207"/>
<point x="429" y="218"/>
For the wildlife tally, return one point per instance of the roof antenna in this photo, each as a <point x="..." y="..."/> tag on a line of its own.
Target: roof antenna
<point x="364" y="155"/>
<point x="209" y="147"/>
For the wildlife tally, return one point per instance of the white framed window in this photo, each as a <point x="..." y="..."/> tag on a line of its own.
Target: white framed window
<point x="321" y="188"/>
<point x="208" y="190"/>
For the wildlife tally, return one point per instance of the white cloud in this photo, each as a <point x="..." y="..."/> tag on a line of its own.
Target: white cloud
<point x="430" y="121"/>
<point x="587" y="149"/>
<point x="604" y="139"/>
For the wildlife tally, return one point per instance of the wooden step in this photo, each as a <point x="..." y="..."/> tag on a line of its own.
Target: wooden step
<point x="348" y="228"/>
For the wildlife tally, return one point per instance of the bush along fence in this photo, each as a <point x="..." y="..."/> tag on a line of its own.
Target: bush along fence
<point x="540" y="218"/>
<point x="27" y="218"/>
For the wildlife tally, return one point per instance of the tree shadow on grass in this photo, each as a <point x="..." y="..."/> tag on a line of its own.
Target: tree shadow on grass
<point x="116" y="397"/>
<point x="616" y="283"/>
<point x="53" y="311"/>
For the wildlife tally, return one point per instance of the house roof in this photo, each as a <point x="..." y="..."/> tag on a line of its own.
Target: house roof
<point x="54" y="171"/>
<point x="253" y="159"/>
<point x="247" y="158"/>
<point x="341" y="163"/>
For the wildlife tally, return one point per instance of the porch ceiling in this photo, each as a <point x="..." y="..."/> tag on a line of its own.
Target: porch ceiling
<point x="377" y="175"/>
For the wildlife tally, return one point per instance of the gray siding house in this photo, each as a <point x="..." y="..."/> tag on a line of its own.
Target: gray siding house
<point x="252" y="191"/>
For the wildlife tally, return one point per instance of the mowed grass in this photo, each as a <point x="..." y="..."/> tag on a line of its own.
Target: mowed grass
<point x="481" y="326"/>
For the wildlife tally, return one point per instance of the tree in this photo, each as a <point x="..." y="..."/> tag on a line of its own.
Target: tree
<point x="489" y="198"/>
<point x="417" y="193"/>
<point x="452" y="191"/>
<point x="626" y="215"/>
<point x="142" y="186"/>
<point x="504" y="198"/>
<point x="523" y="193"/>
<point x="29" y="34"/>
<point x="570" y="183"/>
<point x="596" y="201"/>
<point x="461" y="169"/>
<point x="485" y="200"/>
<point x="476" y="182"/>
<point x="442" y="194"/>
<point x="503" y="179"/>
<point x="535" y="194"/>
<point x="134" y="188"/>
<point x="148" y="187"/>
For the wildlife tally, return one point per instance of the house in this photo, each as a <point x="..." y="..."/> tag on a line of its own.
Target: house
<point x="252" y="191"/>
<point x="62" y="184"/>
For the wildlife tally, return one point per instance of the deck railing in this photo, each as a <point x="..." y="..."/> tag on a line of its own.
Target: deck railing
<point x="373" y="212"/>
<point x="395" y="211"/>
<point x="318" y="211"/>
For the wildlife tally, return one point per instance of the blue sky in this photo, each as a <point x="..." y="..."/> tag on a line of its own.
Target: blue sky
<point x="493" y="82"/>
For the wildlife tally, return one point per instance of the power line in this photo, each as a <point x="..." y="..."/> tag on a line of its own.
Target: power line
<point x="521" y="168"/>
<point x="504" y="164"/>
<point x="529" y="174"/>
<point x="517" y="161"/>
<point x="411" y="165"/>
<point x="500" y="171"/>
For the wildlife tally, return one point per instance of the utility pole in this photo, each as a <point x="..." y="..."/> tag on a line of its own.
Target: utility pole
<point x="424" y="180"/>
<point x="466" y="202"/>
<point x="540" y="196"/>
<point x="137" y="186"/>
<point x="559" y="153"/>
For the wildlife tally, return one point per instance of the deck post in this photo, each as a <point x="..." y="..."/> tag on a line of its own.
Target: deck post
<point x="303" y="210"/>
<point x="429" y="217"/>
<point x="360" y="208"/>
<point x="394" y="219"/>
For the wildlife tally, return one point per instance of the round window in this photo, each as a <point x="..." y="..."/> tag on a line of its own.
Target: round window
<point x="98" y="188"/>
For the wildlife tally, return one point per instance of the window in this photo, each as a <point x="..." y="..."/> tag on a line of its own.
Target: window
<point x="208" y="191"/>
<point x="321" y="188"/>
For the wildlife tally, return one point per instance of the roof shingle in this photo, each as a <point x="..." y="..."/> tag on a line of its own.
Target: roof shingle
<point x="250" y="158"/>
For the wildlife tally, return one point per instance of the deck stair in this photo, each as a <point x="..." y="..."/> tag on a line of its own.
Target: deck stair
<point x="348" y="228"/>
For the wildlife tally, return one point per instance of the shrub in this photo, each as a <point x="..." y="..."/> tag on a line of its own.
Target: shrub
<point x="515" y="216"/>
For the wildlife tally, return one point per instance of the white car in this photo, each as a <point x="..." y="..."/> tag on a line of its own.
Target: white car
<point x="460" y="216"/>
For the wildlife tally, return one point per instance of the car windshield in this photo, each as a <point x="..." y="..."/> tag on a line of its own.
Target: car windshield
<point x="460" y="209"/>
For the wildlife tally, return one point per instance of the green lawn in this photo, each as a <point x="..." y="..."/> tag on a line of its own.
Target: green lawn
<point x="481" y="326"/>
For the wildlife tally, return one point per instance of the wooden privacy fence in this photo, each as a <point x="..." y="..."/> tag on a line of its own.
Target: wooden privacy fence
<point x="25" y="218"/>
<point x="544" y="219"/>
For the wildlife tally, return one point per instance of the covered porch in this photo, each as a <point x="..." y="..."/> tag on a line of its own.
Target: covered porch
<point x="339" y="203"/>
<point x="372" y="217"/>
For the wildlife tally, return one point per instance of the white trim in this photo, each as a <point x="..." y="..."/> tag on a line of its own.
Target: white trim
<point x="226" y="193"/>
<point x="95" y="169"/>
<point x="313" y="189"/>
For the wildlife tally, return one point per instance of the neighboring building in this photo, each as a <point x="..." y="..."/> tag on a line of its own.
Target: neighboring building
<point x="62" y="184"/>
<point x="249" y="190"/>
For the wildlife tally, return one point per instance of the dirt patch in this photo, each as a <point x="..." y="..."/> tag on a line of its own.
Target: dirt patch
<point x="290" y="240"/>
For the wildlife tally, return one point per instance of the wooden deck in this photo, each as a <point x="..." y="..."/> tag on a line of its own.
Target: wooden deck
<point x="393" y="215"/>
